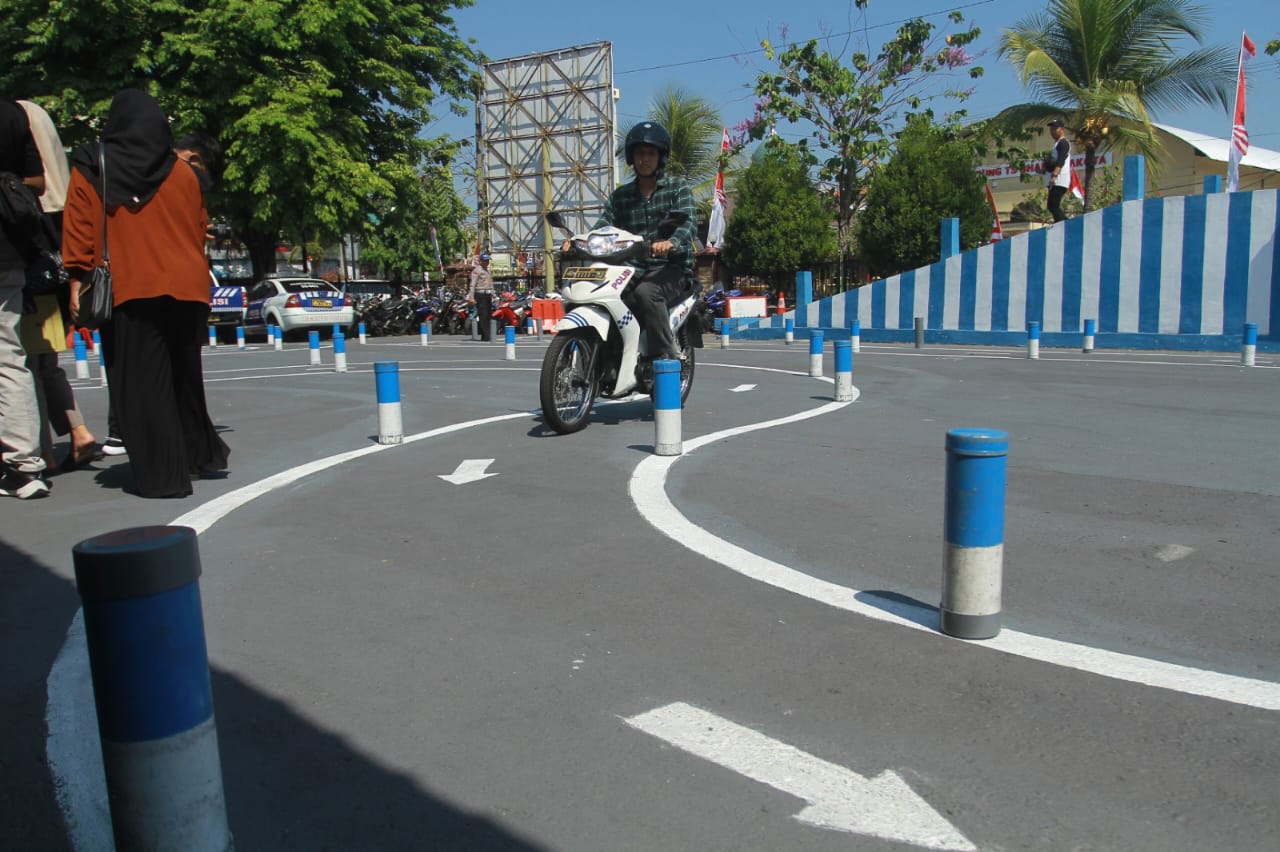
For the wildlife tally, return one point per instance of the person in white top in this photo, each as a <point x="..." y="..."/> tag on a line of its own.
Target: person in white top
<point x="1059" y="164"/>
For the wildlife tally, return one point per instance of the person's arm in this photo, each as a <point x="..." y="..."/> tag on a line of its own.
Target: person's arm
<point x="1061" y="151"/>
<point x="80" y="232"/>
<point x="681" y="240"/>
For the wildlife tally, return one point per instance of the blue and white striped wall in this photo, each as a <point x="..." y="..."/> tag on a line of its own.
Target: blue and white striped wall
<point x="1185" y="272"/>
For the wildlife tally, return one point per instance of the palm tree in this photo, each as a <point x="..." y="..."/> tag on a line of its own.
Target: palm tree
<point x="1107" y="64"/>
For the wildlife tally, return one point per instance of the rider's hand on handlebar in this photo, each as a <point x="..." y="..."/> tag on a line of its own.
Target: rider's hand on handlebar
<point x="566" y="245"/>
<point x="661" y="248"/>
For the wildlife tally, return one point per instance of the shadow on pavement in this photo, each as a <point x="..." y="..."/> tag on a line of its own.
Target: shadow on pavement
<point x="35" y="608"/>
<point x="926" y="615"/>
<point x="289" y="785"/>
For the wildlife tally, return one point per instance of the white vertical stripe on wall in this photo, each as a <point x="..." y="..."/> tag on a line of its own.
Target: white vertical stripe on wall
<point x="1018" y="284"/>
<point x="864" y="303"/>
<point x="1130" y="264"/>
<point x="1091" y="269"/>
<point x="951" y="295"/>
<point x="1171" y="265"/>
<point x="892" y="291"/>
<point x="838" y="313"/>
<point x="924" y="281"/>
<point x="1212" y="302"/>
<point x="1262" y="240"/>
<point x="982" y="300"/>
<point x="1053" y="255"/>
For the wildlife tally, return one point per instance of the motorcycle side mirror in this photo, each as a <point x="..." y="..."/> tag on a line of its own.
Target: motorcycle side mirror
<point x="556" y="220"/>
<point x="670" y="222"/>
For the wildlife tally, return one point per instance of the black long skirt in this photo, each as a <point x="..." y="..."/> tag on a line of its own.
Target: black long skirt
<point x="156" y="382"/>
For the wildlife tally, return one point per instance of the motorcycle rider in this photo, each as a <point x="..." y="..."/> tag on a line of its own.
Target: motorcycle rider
<point x="639" y="206"/>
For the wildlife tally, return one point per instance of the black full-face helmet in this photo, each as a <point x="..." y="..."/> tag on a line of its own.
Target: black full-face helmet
<point x="649" y="133"/>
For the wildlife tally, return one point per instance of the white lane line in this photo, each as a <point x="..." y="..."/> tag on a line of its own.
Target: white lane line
<point x="203" y="517"/>
<point x="839" y="798"/>
<point x="648" y="492"/>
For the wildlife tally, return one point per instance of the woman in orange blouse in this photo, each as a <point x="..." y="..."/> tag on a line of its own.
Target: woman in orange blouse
<point x="156" y="225"/>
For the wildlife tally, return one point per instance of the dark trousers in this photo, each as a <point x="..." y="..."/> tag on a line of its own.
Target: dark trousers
<point x="648" y="299"/>
<point x="1056" y="194"/>
<point x="484" y="312"/>
<point x="155" y="382"/>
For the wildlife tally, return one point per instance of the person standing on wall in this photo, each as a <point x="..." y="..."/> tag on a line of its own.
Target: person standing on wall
<point x="481" y="293"/>
<point x="1059" y="168"/>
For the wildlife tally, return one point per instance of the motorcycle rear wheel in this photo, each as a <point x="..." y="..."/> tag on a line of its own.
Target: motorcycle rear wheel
<point x="570" y="382"/>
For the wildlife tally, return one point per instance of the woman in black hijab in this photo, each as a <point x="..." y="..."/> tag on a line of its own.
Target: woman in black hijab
<point x="155" y="227"/>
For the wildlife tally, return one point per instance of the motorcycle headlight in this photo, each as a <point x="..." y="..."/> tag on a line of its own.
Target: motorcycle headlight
<point x="603" y="243"/>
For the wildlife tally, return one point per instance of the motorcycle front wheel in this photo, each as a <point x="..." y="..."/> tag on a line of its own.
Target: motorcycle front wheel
<point x="570" y="382"/>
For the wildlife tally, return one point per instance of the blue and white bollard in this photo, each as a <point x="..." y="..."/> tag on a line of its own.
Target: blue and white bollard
<point x="973" y="533"/>
<point x="424" y="334"/>
<point x="1033" y="339"/>
<point x="361" y="329"/>
<point x="271" y="333"/>
<point x="102" y="358"/>
<point x="855" y="335"/>
<point x="82" y="357"/>
<point x="510" y="335"/>
<point x="815" y="354"/>
<point x="240" y="344"/>
<point x="279" y="338"/>
<point x="313" y="343"/>
<point x="844" y="370"/>
<point x="337" y="329"/>
<point x="531" y="327"/>
<point x="213" y="337"/>
<point x="789" y="332"/>
<point x="1249" y="350"/>
<point x="1090" y="330"/>
<point x="340" y="353"/>
<point x="390" y="426"/>
<point x="666" y="408"/>
<point x="143" y="624"/>
<point x="724" y="333"/>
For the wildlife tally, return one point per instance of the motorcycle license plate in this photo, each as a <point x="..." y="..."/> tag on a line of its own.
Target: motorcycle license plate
<point x="322" y="303"/>
<point x="584" y="273"/>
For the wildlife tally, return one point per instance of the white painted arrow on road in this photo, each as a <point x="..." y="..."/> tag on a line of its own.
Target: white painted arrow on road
<point x="741" y="388"/>
<point x="839" y="799"/>
<point x="471" y="470"/>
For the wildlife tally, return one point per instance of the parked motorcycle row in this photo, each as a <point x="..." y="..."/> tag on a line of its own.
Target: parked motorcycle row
<point x="445" y="313"/>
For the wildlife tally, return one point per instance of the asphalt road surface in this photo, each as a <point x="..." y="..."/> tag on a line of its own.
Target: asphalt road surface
<point x="573" y="644"/>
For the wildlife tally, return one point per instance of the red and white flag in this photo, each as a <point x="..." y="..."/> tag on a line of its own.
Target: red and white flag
<point x="1239" y="136"/>
<point x="715" y="229"/>
<point x="997" y="232"/>
<point x="1077" y="188"/>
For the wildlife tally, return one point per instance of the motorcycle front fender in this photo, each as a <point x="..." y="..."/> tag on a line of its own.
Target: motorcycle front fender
<point x="586" y="317"/>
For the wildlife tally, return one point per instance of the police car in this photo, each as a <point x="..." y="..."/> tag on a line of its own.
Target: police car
<point x="226" y="307"/>
<point x="296" y="304"/>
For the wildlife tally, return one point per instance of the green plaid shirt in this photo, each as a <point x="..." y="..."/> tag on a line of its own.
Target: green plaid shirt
<point x="631" y="211"/>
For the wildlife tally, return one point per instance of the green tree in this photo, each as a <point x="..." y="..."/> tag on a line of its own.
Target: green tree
<point x="930" y="177"/>
<point x="848" y="107"/>
<point x="780" y="221"/>
<point x="319" y="105"/>
<point x="1107" y="64"/>
<point x="399" y="242"/>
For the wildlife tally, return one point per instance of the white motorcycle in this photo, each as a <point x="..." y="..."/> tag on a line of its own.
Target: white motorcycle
<point x="598" y="348"/>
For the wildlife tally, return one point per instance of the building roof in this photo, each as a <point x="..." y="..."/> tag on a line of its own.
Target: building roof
<point x="1216" y="149"/>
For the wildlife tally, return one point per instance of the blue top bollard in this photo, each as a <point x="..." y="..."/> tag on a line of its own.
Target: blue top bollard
<point x="313" y="339"/>
<point x="387" y="375"/>
<point x="975" y="487"/>
<point x="844" y="356"/>
<point x="82" y="352"/>
<point x="1033" y="330"/>
<point x="815" y="342"/>
<point x="339" y="344"/>
<point x="510" y="334"/>
<point x="666" y="384"/>
<point x="1251" y="334"/>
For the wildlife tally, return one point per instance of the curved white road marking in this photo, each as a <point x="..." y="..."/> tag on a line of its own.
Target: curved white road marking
<point x="648" y="492"/>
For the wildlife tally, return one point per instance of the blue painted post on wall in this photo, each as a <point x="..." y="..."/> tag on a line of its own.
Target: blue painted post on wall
<point x="950" y="237"/>
<point x="804" y="288"/>
<point x="1135" y="177"/>
<point x="1212" y="184"/>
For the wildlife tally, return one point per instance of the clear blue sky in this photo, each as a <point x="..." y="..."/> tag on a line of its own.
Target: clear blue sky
<point x="712" y="49"/>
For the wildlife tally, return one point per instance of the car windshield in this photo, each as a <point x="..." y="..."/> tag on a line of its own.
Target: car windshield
<point x="307" y="286"/>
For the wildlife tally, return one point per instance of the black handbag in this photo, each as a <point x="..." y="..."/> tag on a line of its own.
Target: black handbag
<point x="95" y="293"/>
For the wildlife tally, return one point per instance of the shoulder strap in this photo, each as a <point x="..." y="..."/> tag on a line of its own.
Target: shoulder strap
<point x="102" y="170"/>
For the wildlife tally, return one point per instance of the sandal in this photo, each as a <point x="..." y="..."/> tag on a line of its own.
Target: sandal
<point x="80" y="457"/>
